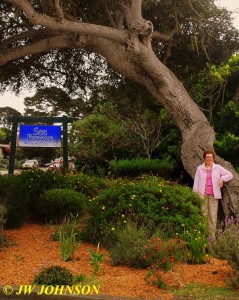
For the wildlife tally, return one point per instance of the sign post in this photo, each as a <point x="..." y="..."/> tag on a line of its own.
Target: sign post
<point x="39" y="136"/>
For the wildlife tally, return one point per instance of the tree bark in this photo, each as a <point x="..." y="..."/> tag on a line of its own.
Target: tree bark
<point x="129" y="52"/>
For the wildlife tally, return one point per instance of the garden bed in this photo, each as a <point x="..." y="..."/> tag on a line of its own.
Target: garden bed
<point x="31" y="249"/>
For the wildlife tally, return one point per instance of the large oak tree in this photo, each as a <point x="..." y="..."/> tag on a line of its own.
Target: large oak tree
<point x="137" y="39"/>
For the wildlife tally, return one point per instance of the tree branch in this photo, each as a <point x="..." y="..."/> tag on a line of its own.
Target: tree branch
<point x="28" y="34"/>
<point x="35" y="18"/>
<point x="136" y="11"/>
<point x="58" y="9"/>
<point x="44" y="45"/>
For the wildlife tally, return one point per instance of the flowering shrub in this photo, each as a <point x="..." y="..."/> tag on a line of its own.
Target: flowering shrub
<point x="155" y="202"/>
<point x="161" y="255"/>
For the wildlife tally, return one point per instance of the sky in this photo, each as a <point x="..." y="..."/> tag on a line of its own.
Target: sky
<point x="16" y="102"/>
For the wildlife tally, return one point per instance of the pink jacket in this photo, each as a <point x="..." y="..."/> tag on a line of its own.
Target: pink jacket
<point x="217" y="173"/>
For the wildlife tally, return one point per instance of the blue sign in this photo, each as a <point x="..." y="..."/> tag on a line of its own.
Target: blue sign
<point x="39" y="136"/>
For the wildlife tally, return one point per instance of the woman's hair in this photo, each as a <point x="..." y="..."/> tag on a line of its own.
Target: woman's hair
<point x="208" y="152"/>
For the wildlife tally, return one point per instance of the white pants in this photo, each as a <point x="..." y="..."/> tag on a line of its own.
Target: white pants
<point x="210" y="208"/>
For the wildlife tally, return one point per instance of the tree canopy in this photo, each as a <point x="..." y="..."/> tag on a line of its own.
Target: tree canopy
<point x="51" y="41"/>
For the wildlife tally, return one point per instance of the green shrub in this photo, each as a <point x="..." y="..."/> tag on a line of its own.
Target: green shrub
<point x="14" y="201"/>
<point x="3" y="212"/>
<point x="54" y="275"/>
<point x="145" y="202"/>
<point x="30" y="185"/>
<point x="56" y="204"/>
<point x="161" y="167"/>
<point x="129" y="249"/>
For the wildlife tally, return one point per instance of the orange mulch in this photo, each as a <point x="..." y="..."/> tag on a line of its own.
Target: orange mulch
<point x="32" y="249"/>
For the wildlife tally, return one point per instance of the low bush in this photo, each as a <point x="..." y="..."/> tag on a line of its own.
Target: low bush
<point x="135" y="167"/>
<point x="54" y="275"/>
<point x="3" y="212"/>
<point x="29" y="186"/>
<point x="17" y="209"/>
<point x="129" y="250"/>
<point x="154" y="202"/>
<point x="56" y="204"/>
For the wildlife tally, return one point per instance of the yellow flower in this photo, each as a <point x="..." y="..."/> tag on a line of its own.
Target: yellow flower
<point x="112" y="228"/>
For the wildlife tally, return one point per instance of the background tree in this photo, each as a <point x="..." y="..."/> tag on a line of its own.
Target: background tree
<point x="97" y="140"/>
<point x="5" y="113"/>
<point x="53" y="102"/>
<point x="217" y="94"/>
<point x="147" y="122"/>
<point x="133" y="46"/>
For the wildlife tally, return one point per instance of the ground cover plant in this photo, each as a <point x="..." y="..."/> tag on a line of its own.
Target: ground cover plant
<point x="54" y="275"/>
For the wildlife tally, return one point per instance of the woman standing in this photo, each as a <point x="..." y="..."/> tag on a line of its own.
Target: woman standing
<point x="208" y="181"/>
